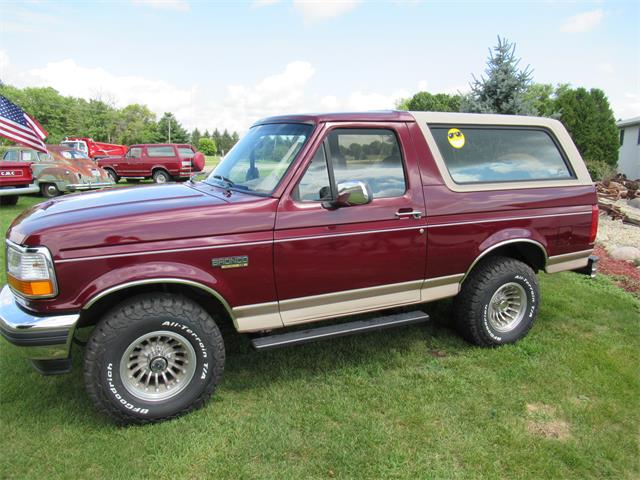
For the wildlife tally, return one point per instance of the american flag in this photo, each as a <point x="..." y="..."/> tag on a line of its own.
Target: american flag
<point x="19" y="127"/>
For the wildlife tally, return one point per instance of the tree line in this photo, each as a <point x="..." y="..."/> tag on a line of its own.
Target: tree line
<point x="65" y="116"/>
<point x="505" y="88"/>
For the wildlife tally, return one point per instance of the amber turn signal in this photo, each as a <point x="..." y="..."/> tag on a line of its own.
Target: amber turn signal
<point x="31" y="288"/>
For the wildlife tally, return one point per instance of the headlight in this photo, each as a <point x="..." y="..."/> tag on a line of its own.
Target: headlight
<point x="30" y="272"/>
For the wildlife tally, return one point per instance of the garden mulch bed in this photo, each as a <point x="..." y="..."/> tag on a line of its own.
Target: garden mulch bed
<point x="625" y="274"/>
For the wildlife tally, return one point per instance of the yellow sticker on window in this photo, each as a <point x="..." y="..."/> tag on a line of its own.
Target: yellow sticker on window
<point x="455" y="137"/>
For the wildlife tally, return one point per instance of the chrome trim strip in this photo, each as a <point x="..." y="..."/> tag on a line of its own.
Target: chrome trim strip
<point x="152" y="281"/>
<point x="506" y="242"/>
<point x="435" y="225"/>
<point x="345" y="234"/>
<point x="568" y="256"/>
<point x="312" y="237"/>
<point x="173" y="250"/>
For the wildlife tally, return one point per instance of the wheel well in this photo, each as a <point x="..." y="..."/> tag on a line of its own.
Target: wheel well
<point x="530" y="253"/>
<point x="210" y="303"/>
<point x="155" y="169"/>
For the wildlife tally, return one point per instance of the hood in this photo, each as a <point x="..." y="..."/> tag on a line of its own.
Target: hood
<point x="139" y="215"/>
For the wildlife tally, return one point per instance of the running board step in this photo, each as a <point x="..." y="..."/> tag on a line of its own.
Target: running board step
<point x="339" y="330"/>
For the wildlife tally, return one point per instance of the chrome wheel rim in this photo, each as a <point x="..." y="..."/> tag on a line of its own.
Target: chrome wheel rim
<point x="161" y="179"/>
<point x="157" y="366"/>
<point x="52" y="190"/>
<point x="507" y="307"/>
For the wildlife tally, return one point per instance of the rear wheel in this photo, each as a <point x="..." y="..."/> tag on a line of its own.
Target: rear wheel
<point x="112" y="175"/>
<point x="498" y="302"/>
<point x="152" y="358"/>
<point x="49" y="190"/>
<point x="160" y="176"/>
<point x="9" y="200"/>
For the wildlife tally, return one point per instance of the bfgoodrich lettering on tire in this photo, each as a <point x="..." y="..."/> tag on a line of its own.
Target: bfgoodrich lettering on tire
<point x="152" y="358"/>
<point x="498" y="302"/>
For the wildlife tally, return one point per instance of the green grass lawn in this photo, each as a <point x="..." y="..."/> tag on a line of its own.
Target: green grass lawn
<point x="414" y="402"/>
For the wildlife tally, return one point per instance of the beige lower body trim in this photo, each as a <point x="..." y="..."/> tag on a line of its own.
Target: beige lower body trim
<point x="441" y="287"/>
<point x="568" y="261"/>
<point x="267" y="316"/>
<point x="253" y="318"/>
<point x="331" y="305"/>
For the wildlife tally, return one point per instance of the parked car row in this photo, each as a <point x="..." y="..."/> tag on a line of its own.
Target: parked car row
<point x="58" y="171"/>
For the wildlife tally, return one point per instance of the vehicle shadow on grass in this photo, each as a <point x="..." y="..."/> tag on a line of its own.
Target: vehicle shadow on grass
<point x="62" y="400"/>
<point x="247" y="369"/>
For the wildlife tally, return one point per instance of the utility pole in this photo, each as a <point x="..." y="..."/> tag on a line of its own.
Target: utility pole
<point x="170" y="118"/>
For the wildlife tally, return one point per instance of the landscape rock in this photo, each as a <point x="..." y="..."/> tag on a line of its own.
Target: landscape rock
<point x="634" y="202"/>
<point x="627" y="253"/>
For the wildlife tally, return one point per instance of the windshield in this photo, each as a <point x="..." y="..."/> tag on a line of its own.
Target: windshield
<point x="258" y="162"/>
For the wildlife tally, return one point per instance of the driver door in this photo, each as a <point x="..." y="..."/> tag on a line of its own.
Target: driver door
<point x="338" y="261"/>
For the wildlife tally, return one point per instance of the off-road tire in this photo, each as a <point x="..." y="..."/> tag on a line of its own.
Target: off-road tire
<point x="112" y="175"/>
<point x="161" y="176"/>
<point x="49" y="190"/>
<point x="9" y="200"/>
<point x="126" y="323"/>
<point x="471" y="306"/>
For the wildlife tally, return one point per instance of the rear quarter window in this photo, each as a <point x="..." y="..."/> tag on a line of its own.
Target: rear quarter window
<point x="500" y="154"/>
<point x="186" y="152"/>
<point x="160" y="152"/>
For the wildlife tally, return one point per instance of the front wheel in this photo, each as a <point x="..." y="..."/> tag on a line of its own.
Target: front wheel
<point x="498" y="302"/>
<point x="152" y="358"/>
<point x="113" y="175"/>
<point x="49" y="190"/>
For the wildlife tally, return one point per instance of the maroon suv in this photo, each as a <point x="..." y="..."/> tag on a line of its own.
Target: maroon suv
<point x="308" y="218"/>
<point x="162" y="162"/>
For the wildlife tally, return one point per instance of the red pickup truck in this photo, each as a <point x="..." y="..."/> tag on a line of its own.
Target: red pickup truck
<point x="16" y="178"/>
<point x="93" y="149"/>
<point x="161" y="162"/>
<point x="308" y="218"/>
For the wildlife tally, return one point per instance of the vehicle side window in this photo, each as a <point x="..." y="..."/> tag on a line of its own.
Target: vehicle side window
<point x="186" y="152"/>
<point x="500" y="154"/>
<point x="164" y="151"/>
<point x="370" y="155"/>
<point x="135" y="153"/>
<point x="11" y="156"/>
<point x="27" y="156"/>
<point x="314" y="185"/>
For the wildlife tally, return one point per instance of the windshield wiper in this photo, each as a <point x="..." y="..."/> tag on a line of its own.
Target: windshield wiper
<point x="229" y="182"/>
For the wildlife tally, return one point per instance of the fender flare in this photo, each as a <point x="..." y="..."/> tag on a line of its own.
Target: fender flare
<point x="495" y="246"/>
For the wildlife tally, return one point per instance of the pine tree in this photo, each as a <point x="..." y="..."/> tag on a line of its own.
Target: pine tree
<point x="504" y="87"/>
<point x="195" y="137"/>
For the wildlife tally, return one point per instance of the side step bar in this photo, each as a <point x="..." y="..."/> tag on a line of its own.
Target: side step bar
<point x="304" y="336"/>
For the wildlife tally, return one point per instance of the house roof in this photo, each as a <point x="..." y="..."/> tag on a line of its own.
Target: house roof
<point x="628" y="122"/>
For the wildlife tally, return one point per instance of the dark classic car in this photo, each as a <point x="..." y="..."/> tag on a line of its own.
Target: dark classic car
<point x="60" y="170"/>
<point x="308" y="218"/>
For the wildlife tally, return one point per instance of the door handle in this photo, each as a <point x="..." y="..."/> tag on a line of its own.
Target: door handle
<point x="410" y="213"/>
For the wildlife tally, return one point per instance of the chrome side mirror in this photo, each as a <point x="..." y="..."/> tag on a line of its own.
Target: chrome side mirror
<point x="350" y="194"/>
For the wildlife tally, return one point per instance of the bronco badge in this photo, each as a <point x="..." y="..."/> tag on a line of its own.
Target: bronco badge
<point x="230" y="262"/>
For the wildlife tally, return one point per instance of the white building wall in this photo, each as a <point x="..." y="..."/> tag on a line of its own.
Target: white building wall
<point x="629" y="154"/>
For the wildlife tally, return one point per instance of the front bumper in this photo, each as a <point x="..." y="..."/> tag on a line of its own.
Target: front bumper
<point x="46" y="340"/>
<point x="33" y="188"/>
<point x="78" y="187"/>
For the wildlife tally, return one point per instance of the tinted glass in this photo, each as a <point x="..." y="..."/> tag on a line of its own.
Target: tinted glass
<point x="481" y="155"/>
<point x="314" y="186"/>
<point x="135" y="153"/>
<point x="369" y="155"/>
<point x="259" y="160"/>
<point x="11" y="156"/>
<point x="160" y="151"/>
<point x="186" y="152"/>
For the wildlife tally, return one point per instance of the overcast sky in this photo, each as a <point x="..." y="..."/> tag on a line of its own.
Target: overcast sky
<point x="226" y="64"/>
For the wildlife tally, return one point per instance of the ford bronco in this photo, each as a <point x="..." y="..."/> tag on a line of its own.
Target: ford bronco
<point x="308" y="218"/>
<point x="161" y="162"/>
